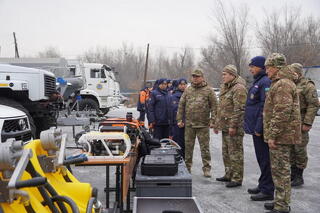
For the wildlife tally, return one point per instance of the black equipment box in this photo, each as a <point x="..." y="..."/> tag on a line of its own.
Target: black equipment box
<point x="179" y="185"/>
<point x="112" y="129"/>
<point x="166" y="151"/>
<point x="159" y="165"/>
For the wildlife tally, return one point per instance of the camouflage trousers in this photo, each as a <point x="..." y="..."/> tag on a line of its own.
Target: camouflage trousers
<point x="202" y="134"/>
<point x="232" y="153"/>
<point x="299" y="155"/>
<point x="281" y="175"/>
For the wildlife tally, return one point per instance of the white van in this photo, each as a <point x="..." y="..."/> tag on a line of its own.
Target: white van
<point x="14" y="124"/>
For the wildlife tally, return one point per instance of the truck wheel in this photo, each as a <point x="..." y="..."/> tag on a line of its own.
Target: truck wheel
<point x="17" y="105"/>
<point x="88" y="104"/>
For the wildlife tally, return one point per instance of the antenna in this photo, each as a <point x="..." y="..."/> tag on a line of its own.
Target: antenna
<point x="15" y="46"/>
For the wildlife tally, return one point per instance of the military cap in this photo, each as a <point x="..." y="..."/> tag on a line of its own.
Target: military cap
<point x="197" y="72"/>
<point x="276" y="60"/>
<point x="231" y="69"/>
<point x="297" y="68"/>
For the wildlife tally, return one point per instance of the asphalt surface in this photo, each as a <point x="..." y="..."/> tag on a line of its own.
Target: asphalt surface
<point x="213" y="196"/>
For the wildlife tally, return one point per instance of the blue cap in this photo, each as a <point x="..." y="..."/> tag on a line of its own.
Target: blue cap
<point x="182" y="80"/>
<point x="258" y="61"/>
<point x="162" y="80"/>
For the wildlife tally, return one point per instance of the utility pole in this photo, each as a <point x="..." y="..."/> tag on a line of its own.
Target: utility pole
<point x="146" y="67"/>
<point x="15" y="46"/>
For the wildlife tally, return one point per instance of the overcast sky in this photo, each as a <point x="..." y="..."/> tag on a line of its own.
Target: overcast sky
<point x="74" y="26"/>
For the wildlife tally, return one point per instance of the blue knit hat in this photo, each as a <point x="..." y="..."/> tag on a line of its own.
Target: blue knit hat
<point x="258" y="61"/>
<point x="162" y="80"/>
<point x="181" y="80"/>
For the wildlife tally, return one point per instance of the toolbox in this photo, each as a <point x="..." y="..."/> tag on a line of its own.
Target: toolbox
<point x="159" y="165"/>
<point x="179" y="185"/>
<point x="166" y="151"/>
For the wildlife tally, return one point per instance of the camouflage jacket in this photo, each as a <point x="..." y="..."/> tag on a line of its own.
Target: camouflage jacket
<point x="281" y="114"/>
<point x="199" y="105"/>
<point x="309" y="103"/>
<point x="232" y="101"/>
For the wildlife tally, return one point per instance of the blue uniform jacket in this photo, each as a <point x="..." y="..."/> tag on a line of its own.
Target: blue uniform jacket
<point x="253" y="118"/>
<point x="173" y="106"/>
<point x="174" y="99"/>
<point x="159" y="107"/>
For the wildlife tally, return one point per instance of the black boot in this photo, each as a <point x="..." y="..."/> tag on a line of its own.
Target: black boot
<point x="254" y="190"/>
<point x="233" y="184"/>
<point x="298" y="180"/>
<point x="277" y="211"/>
<point x="269" y="206"/>
<point x="223" y="179"/>
<point x="293" y="172"/>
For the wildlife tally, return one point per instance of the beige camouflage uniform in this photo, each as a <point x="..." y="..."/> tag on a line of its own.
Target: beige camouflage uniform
<point x="281" y="119"/>
<point x="309" y="105"/>
<point x="199" y="105"/>
<point x="232" y="100"/>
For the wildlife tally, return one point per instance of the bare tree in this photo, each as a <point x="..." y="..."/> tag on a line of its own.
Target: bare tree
<point x="49" y="52"/>
<point x="181" y="63"/>
<point x="298" y="38"/>
<point x="130" y="62"/>
<point x="213" y="60"/>
<point x="231" y="33"/>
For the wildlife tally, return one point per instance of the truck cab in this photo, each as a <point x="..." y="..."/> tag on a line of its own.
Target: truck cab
<point x="101" y="90"/>
<point x="32" y="91"/>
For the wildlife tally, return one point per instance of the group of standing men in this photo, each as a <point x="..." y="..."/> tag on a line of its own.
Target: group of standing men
<point x="278" y="111"/>
<point x="160" y="104"/>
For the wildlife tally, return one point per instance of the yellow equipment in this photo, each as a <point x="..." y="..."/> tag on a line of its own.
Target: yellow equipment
<point x="62" y="192"/>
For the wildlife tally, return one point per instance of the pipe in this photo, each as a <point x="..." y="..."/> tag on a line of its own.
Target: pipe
<point x="67" y="200"/>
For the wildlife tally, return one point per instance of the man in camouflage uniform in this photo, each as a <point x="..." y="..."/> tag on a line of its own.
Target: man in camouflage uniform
<point x="309" y="105"/>
<point x="198" y="104"/>
<point x="232" y="101"/>
<point x="282" y="128"/>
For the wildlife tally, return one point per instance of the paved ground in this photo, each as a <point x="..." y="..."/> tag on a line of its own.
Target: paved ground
<point x="213" y="196"/>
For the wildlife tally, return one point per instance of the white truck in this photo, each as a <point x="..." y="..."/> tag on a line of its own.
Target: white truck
<point x="32" y="91"/>
<point x="101" y="90"/>
<point x="14" y="124"/>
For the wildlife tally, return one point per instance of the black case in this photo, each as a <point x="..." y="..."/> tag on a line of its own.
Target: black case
<point x="159" y="165"/>
<point x="165" y="151"/>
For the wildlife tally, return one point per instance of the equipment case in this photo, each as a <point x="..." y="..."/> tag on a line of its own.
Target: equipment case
<point x="179" y="185"/>
<point x="159" y="165"/>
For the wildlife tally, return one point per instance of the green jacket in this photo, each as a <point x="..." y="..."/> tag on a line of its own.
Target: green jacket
<point x="232" y="101"/>
<point x="198" y="104"/>
<point x="281" y="114"/>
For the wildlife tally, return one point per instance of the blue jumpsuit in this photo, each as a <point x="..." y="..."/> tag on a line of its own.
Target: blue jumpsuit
<point x="159" y="113"/>
<point x="253" y="123"/>
<point x="176" y="132"/>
